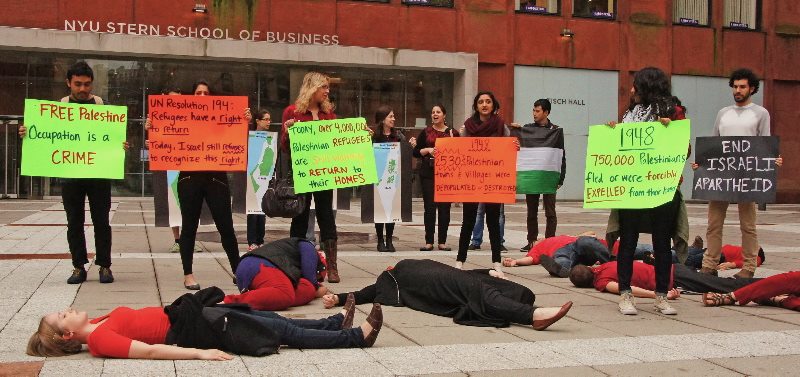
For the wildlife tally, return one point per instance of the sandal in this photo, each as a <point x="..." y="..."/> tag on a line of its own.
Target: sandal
<point x="718" y="299"/>
<point x="444" y="247"/>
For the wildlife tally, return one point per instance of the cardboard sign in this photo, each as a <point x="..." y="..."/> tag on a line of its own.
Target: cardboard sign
<point x="329" y="154"/>
<point x="262" y="148"/>
<point x="736" y="169"/>
<point x="475" y="170"/>
<point x="191" y="133"/>
<point x="634" y="165"/>
<point x="70" y="140"/>
<point x="390" y="200"/>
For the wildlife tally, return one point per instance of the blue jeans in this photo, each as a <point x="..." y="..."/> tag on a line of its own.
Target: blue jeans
<point x="312" y="333"/>
<point x="585" y="250"/>
<point x="477" y="231"/>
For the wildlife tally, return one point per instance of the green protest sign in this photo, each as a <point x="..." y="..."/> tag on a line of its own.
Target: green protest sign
<point x="329" y="154"/>
<point x="634" y="165"/>
<point x="70" y="140"/>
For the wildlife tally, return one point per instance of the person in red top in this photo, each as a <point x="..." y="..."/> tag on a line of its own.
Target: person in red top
<point x="781" y="290"/>
<point x="313" y="104"/>
<point x="127" y="333"/>
<point x="545" y="246"/>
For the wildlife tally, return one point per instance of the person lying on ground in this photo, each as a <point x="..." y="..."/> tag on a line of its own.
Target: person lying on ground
<point x="279" y="275"/>
<point x="730" y="258"/>
<point x="194" y="327"/>
<point x="782" y="290"/>
<point x="470" y="297"/>
<point x="604" y="278"/>
<point x="585" y="250"/>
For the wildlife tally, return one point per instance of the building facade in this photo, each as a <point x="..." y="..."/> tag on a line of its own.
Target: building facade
<point x="410" y="54"/>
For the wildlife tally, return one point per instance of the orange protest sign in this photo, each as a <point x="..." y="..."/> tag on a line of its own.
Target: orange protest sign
<point x="192" y="133"/>
<point x="475" y="169"/>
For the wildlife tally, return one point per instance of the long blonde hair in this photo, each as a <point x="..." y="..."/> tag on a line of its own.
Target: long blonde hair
<point x="48" y="341"/>
<point x="311" y="82"/>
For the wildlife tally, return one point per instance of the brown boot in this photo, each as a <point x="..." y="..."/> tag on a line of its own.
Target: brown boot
<point x="708" y="271"/>
<point x="744" y="274"/>
<point x="330" y="255"/>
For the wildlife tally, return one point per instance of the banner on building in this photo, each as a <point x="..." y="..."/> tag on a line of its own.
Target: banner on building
<point x="261" y="154"/>
<point x="475" y="169"/>
<point x="329" y="154"/>
<point x="390" y="199"/>
<point x="736" y="168"/>
<point x="539" y="160"/>
<point x="191" y="133"/>
<point x="634" y="165"/>
<point x="70" y="140"/>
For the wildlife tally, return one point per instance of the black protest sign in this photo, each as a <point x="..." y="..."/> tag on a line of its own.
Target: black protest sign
<point x="736" y="169"/>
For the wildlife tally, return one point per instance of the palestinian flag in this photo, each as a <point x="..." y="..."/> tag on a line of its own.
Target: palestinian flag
<point x="539" y="159"/>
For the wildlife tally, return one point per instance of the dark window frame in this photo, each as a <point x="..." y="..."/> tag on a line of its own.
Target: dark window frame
<point x="370" y="1"/>
<point x="593" y="17"/>
<point x="422" y="3"/>
<point x="708" y="15"/>
<point x="557" y="13"/>
<point x="759" y="14"/>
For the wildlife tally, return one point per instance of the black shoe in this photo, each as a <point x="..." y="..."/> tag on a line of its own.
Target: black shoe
<point x="382" y="246"/>
<point x="426" y="248"/>
<point x="444" y="248"/>
<point x="503" y="249"/>
<point x="389" y="246"/>
<point x="474" y="247"/>
<point x="106" y="276"/>
<point x="78" y="276"/>
<point x="193" y="287"/>
<point x="552" y="267"/>
<point x="525" y="248"/>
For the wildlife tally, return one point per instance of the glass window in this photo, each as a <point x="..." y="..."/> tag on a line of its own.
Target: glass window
<point x="537" y="6"/>
<point x="605" y="9"/>
<point x="691" y="12"/>
<point x="430" y="3"/>
<point x="742" y="14"/>
<point x="373" y="1"/>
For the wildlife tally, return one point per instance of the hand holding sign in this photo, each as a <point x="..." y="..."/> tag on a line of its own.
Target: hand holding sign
<point x="634" y="165"/>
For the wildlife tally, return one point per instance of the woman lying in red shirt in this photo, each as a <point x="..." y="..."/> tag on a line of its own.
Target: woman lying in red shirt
<point x="779" y="290"/>
<point x="140" y="334"/>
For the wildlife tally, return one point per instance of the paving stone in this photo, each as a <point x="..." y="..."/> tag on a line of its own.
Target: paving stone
<point x="410" y="360"/>
<point x="138" y="368"/>
<point x="192" y="368"/>
<point x="581" y="371"/>
<point x="369" y="368"/>
<point x="589" y="351"/>
<point x="763" y="366"/>
<point x="667" y="369"/>
<point x="83" y="368"/>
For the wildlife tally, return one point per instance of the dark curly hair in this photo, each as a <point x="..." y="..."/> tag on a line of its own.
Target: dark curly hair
<point x="745" y="74"/>
<point x="653" y="88"/>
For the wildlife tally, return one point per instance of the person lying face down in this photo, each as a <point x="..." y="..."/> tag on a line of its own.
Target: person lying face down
<point x="194" y="327"/>
<point x="279" y="275"/>
<point x="559" y="254"/>
<point x="643" y="281"/>
<point x="470" y="297"/>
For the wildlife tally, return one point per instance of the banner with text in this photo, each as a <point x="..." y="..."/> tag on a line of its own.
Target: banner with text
<point x="475" y="169"/>
<point x="191" y="133"/>
<point x="736" y="168"/>
<point x="390" y="200"/>
<point x="328" y="154"/>
<point x="262" y="150"/>
<point x="70" y="140"/>
<point x="634" y="165"/>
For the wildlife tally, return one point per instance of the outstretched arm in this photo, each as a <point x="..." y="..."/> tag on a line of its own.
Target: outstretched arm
<point x="140" y="350"/>
<point x="613" y="287"/>
<point x="524" y="261"/>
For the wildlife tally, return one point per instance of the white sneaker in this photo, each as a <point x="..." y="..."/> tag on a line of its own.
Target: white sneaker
<point x="176" y="248"/>
<point x="662" y="305"/>
<point x="627" y="304"/>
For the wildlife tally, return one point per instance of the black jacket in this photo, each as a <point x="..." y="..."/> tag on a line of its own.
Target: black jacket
<point x="197" y="322"/>
<point x="284" y="254"/>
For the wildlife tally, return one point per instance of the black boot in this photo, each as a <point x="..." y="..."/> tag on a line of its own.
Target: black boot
<point x="389" y="247"/>
<point x="330" y="255"/>
<point x="553" y="267"/>
<point x="381" y="246"/>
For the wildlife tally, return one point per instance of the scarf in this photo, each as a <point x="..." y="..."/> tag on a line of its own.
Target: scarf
<point x="494" y="126"/>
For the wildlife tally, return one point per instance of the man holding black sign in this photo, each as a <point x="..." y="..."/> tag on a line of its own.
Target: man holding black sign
<point x="744" y="118"/>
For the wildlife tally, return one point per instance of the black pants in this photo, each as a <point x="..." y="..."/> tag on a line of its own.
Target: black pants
<point x="430" y="213"/>
<point x="468" y="223"/>
<point x="506" y="308"/>
<point x="389" y="230"/>
<point x="323" y="209"/>
<point x="694" y="281"/>
<point x="662" y="220"/>
<point x="74" y="193"/>
<point x="193" y="189"/>
<point x="532" y="201"/>
<point x="256" y="229"/>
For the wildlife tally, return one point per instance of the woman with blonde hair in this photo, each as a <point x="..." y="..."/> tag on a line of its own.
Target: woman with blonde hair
<point x="313" y="103"/>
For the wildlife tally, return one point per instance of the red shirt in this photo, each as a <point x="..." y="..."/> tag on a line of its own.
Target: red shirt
<point x="548" y="246"/>
<point x="122" y="326"/>
<point x="290" y="113"/>
<point x="644" y="276"/>
<point x="734" y="254"/>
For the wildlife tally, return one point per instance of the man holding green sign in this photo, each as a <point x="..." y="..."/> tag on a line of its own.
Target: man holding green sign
<point x="79" y="141"/>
